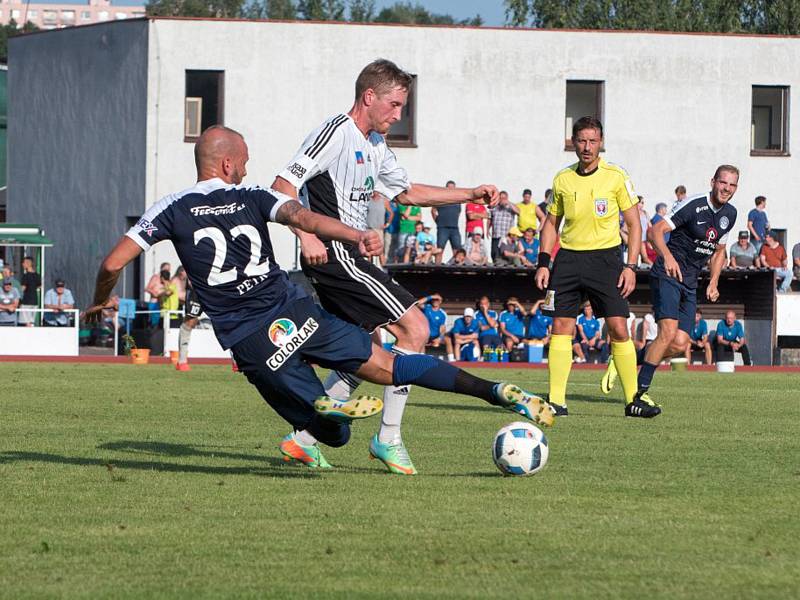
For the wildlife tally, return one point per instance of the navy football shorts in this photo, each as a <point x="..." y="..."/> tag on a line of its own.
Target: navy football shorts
<point x="673" y="300"/>
<point x="277" y="360"/>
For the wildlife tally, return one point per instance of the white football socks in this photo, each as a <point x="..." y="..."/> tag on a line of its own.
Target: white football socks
<point x="184" y="335"/>
<point x="304" y="438"/>
<point x="394" y="403"/>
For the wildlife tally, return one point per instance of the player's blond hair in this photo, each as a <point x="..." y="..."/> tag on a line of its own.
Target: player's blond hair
<point x="727" y="169"/>
<point x="381" y="76"/>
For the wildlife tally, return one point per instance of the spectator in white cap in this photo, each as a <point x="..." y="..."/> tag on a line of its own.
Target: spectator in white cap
<point x="476" y="250"/>
<point x="464" y="333"/>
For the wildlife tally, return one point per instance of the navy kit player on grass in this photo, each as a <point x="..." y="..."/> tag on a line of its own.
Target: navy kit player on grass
<point x="336" y="169"/>
<point x="698" y="232"/>
<point x="219" y="229"/>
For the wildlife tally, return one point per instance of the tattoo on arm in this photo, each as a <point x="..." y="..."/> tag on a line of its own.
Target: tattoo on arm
<point x="289" y="213"/>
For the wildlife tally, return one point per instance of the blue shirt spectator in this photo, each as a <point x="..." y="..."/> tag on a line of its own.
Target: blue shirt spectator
<point x="538" y="325"/>
<point x="514" y="322"/>
<point x="480" y="318"/>
<point x="58" y="299"/>
<point x="425" y="237"/>
<point x="758" y="221"/>
<point x="730" y="332"/>
<point x="590" y="325"/>
<point x="462" y="327"/>
<point x="435" y="315"/>
<point x="531" y="248"/>
<point x="699" y="330"/>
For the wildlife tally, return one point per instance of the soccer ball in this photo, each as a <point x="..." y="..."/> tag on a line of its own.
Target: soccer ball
<point x="520" y="449"/>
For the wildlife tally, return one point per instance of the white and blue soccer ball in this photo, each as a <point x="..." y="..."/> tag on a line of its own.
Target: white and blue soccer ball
<point x="520" y="449"/>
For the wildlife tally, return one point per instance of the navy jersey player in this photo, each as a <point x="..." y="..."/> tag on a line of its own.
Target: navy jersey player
<point x="219" y="230"/>
<point x="698" y="230"/>
<point x="335" y="171"/>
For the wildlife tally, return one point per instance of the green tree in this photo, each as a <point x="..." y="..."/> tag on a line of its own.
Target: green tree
<point x="362" y="10"/>
<point x="321" y="10"/>
<point x="9" y="31"/>
<point x="270" y="9"/>
<point x="416" y="14"/>
<point x="195" y="8"/>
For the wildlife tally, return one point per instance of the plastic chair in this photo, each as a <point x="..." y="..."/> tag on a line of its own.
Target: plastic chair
<point x="127" y="313"/>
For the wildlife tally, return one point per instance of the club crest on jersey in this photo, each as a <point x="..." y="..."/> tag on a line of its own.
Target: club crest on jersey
<point x="288" y="338"/>
<point x="359" y="157"/>
<point x="147" y="227"/>
<point x="601" y="207"/>
<point x="724" y="222"/>
<point x="711" y="234"/>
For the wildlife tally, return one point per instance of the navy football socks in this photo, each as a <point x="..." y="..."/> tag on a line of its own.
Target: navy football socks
<point x="434" y="374"/>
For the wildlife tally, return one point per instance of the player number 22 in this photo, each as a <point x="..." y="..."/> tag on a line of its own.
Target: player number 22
<point x="217" y="276"/>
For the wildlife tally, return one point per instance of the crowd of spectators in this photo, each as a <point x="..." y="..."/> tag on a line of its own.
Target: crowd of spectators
<point x="511" y="332"/>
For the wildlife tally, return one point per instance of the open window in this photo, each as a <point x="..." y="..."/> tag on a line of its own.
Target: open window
<point x="403" y="133"/>
<point x="584" y="99"/>
<point x="203" y="103"/>
<point x="769" y="124"/>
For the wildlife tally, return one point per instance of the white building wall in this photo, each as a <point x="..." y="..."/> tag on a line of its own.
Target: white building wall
<point x="491" y="103"/>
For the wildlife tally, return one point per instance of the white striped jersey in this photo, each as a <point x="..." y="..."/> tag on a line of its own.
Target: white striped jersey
<point x="336" y="170"/>
<point x="220" y="234"/>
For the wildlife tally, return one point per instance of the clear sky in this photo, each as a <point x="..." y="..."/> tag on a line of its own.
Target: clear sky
<point x="492" y="11"/>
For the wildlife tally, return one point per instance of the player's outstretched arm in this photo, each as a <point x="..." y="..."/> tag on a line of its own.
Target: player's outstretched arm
<point x="124" y="252"/>
<point x="294" y="214"/>
<point x="420" y="194"/>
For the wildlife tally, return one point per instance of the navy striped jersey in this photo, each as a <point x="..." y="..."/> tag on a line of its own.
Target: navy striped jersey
<point x="697" y="229"/>
<point x="220" y="234"/>
<point x="337" y="168"/>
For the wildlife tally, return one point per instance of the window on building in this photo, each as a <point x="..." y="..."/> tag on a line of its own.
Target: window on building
<point x="584" y="99"/>
<point x="769" y="124"/>
<point x="14" y="13"/>
<point x="120" y="16"/>
<point x="49" y="17"/>
<point x="67" y="16"/>
<point x="33" y="14"/>
<point x="204" y="102"/>
<point x="102" y="15"/>
<point x="86" y="15"/>
<point x="403" y="132"/>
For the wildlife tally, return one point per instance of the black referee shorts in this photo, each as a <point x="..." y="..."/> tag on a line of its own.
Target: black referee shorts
<point x="355" y="290"/>
<point x="590" y="275"/>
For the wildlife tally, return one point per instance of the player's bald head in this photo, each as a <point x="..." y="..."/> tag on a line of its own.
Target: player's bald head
<point x="215" y="144"/>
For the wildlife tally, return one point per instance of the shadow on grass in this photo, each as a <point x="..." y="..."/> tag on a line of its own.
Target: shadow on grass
<point x="441" y="405"/>
<point x="168" y="449"/>
<point x="275" y="466"/>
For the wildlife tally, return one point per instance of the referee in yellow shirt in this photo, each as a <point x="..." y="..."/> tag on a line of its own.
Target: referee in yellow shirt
<point x="588" y="198"/>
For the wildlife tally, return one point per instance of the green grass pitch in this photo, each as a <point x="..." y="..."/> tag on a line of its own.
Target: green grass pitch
<point x="120" y="481"/>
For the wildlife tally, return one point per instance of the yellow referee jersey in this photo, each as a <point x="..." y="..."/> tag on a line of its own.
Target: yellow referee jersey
<point x="590" y="205"/>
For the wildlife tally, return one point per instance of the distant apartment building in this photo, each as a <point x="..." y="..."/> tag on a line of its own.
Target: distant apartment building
<point x="55" y="16"/>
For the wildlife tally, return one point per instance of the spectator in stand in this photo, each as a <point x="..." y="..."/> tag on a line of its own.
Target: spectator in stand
<point x="503" y="215"/>
<point x="464" y="333"/>
<point x="426" y="249"/>
<point x="774" y="257"/>
<point x="548" y="195"/>
<point x="376" y="218"/>
<point x="512" y="323"/>
<point x="540" y="326"/>
<point x="407" y="253"/>
<point x="510" y="252"/>
<point x="487" y="322"/>
<point x="680" y="194"/>
<point x="432" y="309"/>
<point x="589" y="335"/>
<point x="698" y="338"/>
<point x="31" y="283"/>
<point x="661" y="212"/>
<point x="730" y="339"/>
<point x="8" y="273"/>
<point x="391" y="235"/>
<point x="58" y="299"/>
<point x="169" y="300"/>
<point x="758" y="222"/>
<point x="529" y="214"/>
<point x="476" y="250"/>
<point x="409" y="217"/>
<point x="530" y="246"/>
<point x="796" y="260"/>
<point x="743" y="254"/>
<point x="9" y="303"/>
<point x="477" y="216"/>
<point x="459" y="259"/>
<point x="645" y="220"/>
<point x="446" y="219"/>
<point x="155" y="287"/>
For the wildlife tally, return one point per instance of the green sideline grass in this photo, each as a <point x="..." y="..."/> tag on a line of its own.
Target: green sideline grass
<point x="120" y="481"/>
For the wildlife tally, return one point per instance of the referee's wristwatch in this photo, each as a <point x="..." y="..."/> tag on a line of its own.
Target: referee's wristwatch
<point x="631" y="266"/>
